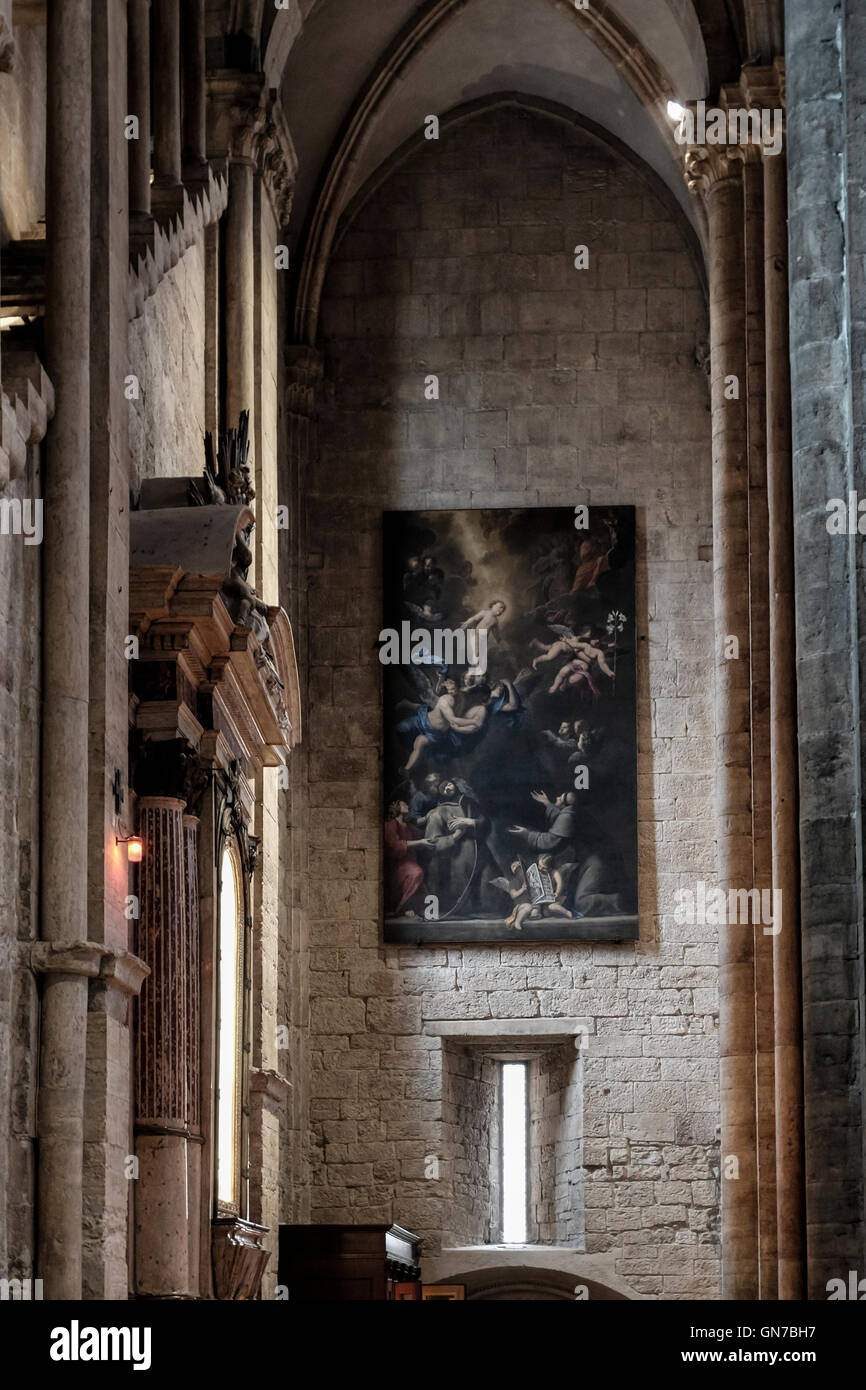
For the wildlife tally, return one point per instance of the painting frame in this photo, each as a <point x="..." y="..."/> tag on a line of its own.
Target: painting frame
<point x="509" y="718"/>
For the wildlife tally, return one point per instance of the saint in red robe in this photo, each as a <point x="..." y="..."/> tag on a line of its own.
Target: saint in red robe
<point x="403" y="877"/>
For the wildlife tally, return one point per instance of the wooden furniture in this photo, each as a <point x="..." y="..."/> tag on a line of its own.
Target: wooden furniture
<point x="347" y="1263"/>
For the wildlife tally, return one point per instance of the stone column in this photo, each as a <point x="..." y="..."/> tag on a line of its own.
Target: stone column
<point x="138" y="68"/>
<point x="240" y="296"/>
<point x="208" y="909"/>
<point x="759" y="659"/>
<point x="194" y="134"/>
<point x="827" y="240"/>
<point x="717" y="172"/>
<point x="193" y="1060"/>
<point x="162" y="1211"/>
<point x="166" y="93"/>
<point x="66" y="640"/>
<point x="783" y="743"/>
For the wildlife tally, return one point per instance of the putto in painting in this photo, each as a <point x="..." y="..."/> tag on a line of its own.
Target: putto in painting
<point x="508" y="648"/>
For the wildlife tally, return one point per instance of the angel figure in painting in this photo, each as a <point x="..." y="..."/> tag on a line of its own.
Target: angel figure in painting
<point x="437" y="726"/>
<point x="486" y="620"/>
<point x="579" y="671"/>
<point x="584" y="652"/>
<point x="541" y="886"/>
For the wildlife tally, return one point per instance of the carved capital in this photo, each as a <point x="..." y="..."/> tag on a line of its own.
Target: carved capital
<point x="169" y="770"/>
<point x="247" y="124"/>
<point x="708" y="166"/>
<point x="744" y="126"/>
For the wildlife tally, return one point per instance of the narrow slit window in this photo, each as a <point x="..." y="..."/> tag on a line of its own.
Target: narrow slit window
<point x="514" y="1153"/>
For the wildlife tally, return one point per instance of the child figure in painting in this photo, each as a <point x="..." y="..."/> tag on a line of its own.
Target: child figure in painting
<point x="544" y="889"/>
<point x="584" y="652"/>
<point x="486" y="620"/>
<point x="579" y="671"/>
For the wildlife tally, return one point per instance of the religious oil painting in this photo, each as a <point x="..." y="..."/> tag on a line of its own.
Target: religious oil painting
<point x="509" y="710"/>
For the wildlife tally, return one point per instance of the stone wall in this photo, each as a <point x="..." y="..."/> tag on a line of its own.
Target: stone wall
<point x="827" y="231"/>
<point x="22" y="139"/>
<point x="556" y="1156"/>
<point x="556" y="385"/>
<point x="471" y="1140"/>
<point x="167" y="354"/>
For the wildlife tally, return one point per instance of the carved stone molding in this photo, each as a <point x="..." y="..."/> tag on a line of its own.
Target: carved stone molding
<point x="235" y="812"/>
<point x="216" y="665"/>
<point x="246" y="123"/>
<point x="269" y="1088"/>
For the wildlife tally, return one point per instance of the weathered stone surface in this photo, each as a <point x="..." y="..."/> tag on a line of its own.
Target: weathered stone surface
<point x="552" y="386"/>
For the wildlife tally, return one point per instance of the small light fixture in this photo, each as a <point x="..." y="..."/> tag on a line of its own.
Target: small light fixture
<point x="134" y="847"/>
<point x="675" y="111"/>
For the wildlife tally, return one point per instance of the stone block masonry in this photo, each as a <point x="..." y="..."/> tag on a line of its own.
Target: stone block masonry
<point x="556" y="386"/>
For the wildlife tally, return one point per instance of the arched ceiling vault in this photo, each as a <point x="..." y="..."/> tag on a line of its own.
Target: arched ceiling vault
<point x="359" y="80"/>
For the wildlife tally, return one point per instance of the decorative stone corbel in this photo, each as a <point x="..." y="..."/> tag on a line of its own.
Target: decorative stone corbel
<point x="116" y="976"/>
<point x="269" y="1088"/>
<point x="239" y="1260"/>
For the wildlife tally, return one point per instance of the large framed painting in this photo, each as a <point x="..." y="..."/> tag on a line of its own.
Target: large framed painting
<point x="510" y="747"/>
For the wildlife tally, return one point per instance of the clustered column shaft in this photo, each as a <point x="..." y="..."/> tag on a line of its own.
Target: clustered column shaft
<point x="733" y="738"/>
<point x="138" y="64"/>
<point x="760" y="1018"/>
<point x="66" y="646"/>
<point x="783" y="745"/>
<point x="166" y="92"/>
